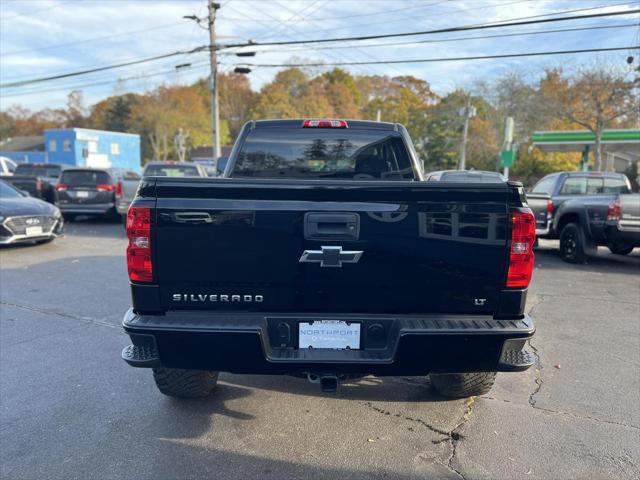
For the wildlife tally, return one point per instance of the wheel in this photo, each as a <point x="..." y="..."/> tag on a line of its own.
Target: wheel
<point x="185" y="383"/>
<point x="620" y="248"/>
<point x="572" y="244"/>
<point x="461" y="385"/>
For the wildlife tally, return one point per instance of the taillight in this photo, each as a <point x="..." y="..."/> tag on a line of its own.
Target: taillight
<point x="521" y="258"/>
<point x="550" y="206"/>
<point x="61" y="187"/>
<point x="105" y="187"/>
<point x="324" y="123"/>
<point x="614" y="212"/>
<point x="139" y="249"/>
<point x="119" y="189"/>
<point x="38" y="185"/>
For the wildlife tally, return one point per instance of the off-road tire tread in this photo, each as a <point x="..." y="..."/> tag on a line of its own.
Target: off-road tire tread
<point x="462" y="385"/>
<point x="185" y="383"/>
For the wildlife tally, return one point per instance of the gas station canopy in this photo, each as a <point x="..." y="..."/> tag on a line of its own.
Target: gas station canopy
<point x="622" y="145"/>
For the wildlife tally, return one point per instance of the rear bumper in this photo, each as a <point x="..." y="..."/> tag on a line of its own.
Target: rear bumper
<point x="628" y="236"/>
<point x="267" y="343"/>
<point x="87" y="209"/>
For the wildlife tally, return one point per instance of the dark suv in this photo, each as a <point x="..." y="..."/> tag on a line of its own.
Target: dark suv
<point x="88" y="191"/>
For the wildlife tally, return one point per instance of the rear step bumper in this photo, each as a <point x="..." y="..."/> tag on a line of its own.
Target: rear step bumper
<point x="266" y="343"/>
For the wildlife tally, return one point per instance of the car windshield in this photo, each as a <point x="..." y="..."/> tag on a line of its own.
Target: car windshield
<point x="171" y="171"/>
<point x="84" y="178"/>
<point x="324" y="153"/>
<point x="31" y="170"/>
<point x="7" y="191"/>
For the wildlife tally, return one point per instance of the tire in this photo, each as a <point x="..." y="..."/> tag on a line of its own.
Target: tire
<point x="462" y="385"/>
<point x="572" y="244"/>
<point x="620" y="249"/>
<point x="185" y="383"/>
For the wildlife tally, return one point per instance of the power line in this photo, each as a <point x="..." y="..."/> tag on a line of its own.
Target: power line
<point x="34" y="12"/>
<point x="429" y="32"/>
<point x="444" y="40"/>
<point x="193" y="68"/>
<point x="100" y="69"/>
<point x="446" y="59"/>
<point x="359" y="15"/>
<point x="93" y="39"/>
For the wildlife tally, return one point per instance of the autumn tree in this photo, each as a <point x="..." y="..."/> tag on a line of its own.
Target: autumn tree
<point x="159" y="115"/>
<point x="595" y="98"/>
<point x="235" y="99"/>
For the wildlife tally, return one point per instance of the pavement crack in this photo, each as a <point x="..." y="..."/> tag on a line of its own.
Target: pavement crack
<point x="586" y="417"/>
<point x="45" y="311"/>
<point x="538" y="380"/>
<point x="409" y="419"/>
<point x="455" y="437"/>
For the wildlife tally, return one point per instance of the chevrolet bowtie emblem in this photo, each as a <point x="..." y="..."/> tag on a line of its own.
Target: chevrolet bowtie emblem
<point x="330" y="256"/>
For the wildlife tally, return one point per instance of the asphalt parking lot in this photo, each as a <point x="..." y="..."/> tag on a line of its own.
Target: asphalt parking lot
<point x="71" y="408"/>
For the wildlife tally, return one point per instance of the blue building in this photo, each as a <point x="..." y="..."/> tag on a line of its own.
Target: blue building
<point x="83" y="147"/>
<point x="93" y="148"/>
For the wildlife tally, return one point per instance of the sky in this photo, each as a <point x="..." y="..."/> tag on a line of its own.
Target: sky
<point x="41" y="38"/>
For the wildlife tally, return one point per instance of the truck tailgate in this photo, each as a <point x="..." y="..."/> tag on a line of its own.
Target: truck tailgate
<point x="327" y="246"/>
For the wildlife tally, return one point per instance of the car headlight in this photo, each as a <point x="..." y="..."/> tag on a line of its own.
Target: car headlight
<point x="56" y="213"/>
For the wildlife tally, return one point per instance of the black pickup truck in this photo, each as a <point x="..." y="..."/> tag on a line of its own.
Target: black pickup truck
<point x="554" y="189"/>
<point x="37" y="179"/>
<point x="324" y="254"/>
<point x="591" y="220"/>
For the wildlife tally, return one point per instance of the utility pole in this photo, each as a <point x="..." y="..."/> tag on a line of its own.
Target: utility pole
<point x="508" y="143"/>
<point x="213" y="83"/>
<point x="468" y="112"/>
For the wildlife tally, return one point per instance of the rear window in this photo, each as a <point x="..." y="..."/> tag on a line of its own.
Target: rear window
<point x="323" y="153"/>
<point x="471" y="177"/>
<point x="84" y="178"/>
<point x="39" y="170"/>
<point x="594" y="185"/>
<point x="171" y="171"/>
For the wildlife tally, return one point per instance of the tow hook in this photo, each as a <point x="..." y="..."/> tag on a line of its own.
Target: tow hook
<point x="328" y="383"/>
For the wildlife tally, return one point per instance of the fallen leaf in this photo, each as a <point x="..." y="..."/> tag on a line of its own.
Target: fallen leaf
<point x="558" y="366"/>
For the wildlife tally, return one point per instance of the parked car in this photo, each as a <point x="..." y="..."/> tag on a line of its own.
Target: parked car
<point x="127" y="182"/>
<point x="7" y="166"/>
<point x="39" y="179"/>
<point x="553" y="190"/>
<point x="95" y="191"/>
<point x="209" y="167"/>
<point x="323" y="254"/>
<point x="587" y="221"/>
<point x="477" y="176"/>
<point x="26" y="219"/>
<point x="174" y="169"/>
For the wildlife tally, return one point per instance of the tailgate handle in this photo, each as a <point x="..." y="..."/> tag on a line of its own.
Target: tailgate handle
<point x="331" y="226"/>
<point x="192" y="217"/>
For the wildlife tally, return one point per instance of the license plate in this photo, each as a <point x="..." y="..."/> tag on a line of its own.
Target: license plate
<point x="32" y="231"/>
<point x="82" y="194"/>
<point x="334" y="334"/>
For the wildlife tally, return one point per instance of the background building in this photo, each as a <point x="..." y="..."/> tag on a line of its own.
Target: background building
<point x="80" y="147"/>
